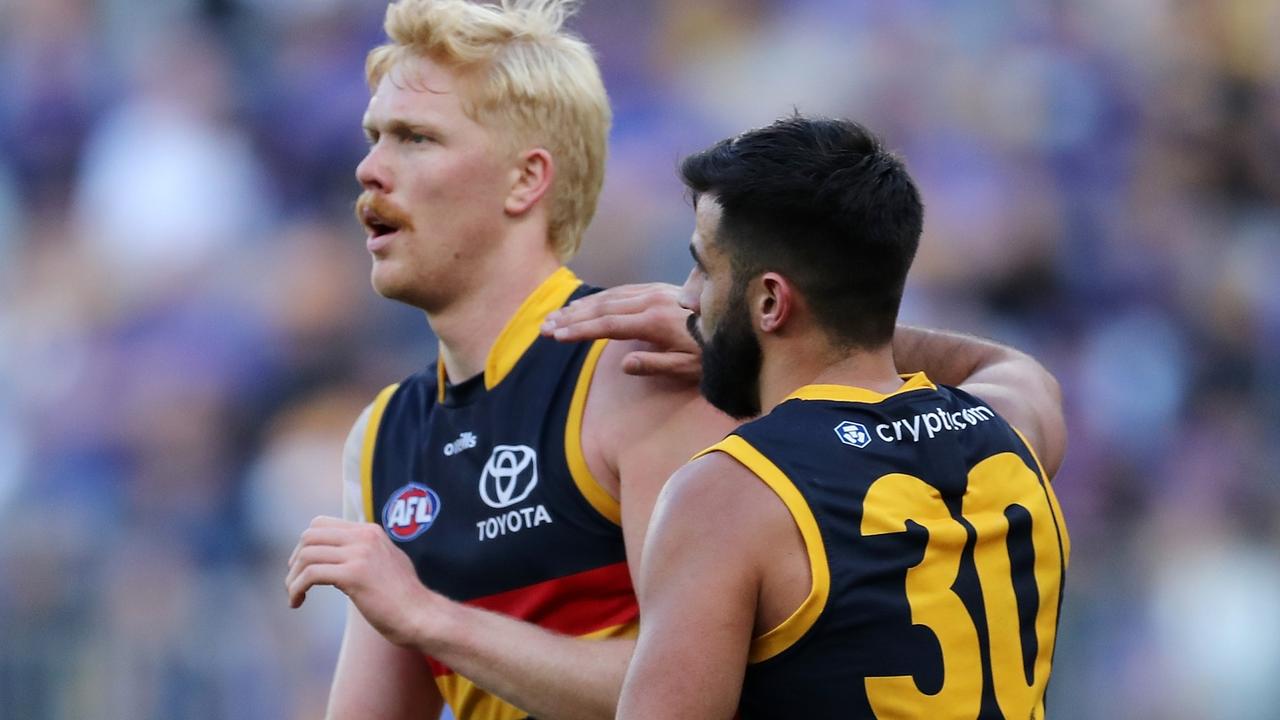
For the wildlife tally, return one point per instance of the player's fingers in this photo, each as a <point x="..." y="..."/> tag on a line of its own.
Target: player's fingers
<point x="686" y="367"/>
<point x="321" y="536"/>
<point x="612" y="327"/>
<point x="312" y="575"/>
<point x="326" y="521"/>
<point x="624" y="299"/>
<point x="328" y="535"/>
<point x="314" y="555"/>
<point x="665" y="328"/>
<point x="583" y="311"/>
<point x="578" y="309"/>
<point x="606" y="307"/>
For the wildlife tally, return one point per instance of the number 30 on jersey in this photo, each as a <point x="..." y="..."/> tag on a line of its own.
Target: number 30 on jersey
<point x="996" y="485"/>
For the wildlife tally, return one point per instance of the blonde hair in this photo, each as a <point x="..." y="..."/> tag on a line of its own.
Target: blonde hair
<point x="536" y="80"/>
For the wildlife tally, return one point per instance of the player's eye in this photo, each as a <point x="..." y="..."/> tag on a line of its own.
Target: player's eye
<point x="417" y="138"/>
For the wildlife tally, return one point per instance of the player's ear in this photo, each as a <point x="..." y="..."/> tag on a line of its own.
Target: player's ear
<point x="530" y="180"/>
<point x="774" y="303"/>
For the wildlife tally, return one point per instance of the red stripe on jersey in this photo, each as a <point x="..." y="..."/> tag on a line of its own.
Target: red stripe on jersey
<point x="573" y="605"/>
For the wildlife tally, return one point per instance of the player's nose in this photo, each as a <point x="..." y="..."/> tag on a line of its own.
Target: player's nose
<point x="373" y="172"/>
<point x="691" y="291"/>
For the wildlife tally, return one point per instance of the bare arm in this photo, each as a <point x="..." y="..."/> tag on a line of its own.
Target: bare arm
<point x="642" y="429"/>
<point x="375" y="679"/>
<point x="698" y="599"/>
<point x="1013" y="383"/>
<point x="541" y="672"/>
<point x="395" y="620"/>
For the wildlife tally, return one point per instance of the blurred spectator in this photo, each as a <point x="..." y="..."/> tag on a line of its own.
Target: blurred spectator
<point x="167" y="184"/>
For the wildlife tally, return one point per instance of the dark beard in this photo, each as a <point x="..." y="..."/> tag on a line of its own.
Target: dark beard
<point x="731" y="363"/>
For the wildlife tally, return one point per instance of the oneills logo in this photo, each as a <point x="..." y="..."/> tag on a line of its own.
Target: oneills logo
<point x="465" y="441"/>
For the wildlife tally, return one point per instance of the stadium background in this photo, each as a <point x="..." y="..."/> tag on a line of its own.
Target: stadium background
<point x="187" y="329"/>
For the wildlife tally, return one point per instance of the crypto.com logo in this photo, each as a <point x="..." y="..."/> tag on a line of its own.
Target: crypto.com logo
<point x="509" y="476"/>
<point x="853" y="433"/>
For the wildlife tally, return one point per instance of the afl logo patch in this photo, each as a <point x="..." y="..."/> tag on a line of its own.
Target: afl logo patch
<point x="410" y="511"/>
<point x="509" y="476"/>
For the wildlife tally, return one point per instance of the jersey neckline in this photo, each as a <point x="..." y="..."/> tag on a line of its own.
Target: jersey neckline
<point x="520" y="332"/>
<point x="850" y="393"/>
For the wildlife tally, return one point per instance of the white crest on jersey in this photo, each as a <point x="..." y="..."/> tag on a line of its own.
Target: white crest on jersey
<point x="510" y="474"/>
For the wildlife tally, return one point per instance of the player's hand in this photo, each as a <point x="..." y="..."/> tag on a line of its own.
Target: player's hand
<point x="650" y="313"/>
<point x="361" y="561"/>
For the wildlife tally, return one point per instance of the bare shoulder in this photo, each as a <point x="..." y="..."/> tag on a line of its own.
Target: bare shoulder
<point x="644" y="427"/>
<point x="636" y="432"/>
<point x="1030" y="399"/>
<point x="611" y="379"/>
<point x="716" y="522"/>
<point x="639" y="404"/>
<point x="716" y="497"/>
<point x="717" y="518"/>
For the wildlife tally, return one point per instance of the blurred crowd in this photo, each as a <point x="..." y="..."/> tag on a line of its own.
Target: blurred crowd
<point x="187" y="329"/>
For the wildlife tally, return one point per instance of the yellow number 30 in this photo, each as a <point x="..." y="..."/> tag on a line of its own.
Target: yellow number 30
<point x="995" y="485"/>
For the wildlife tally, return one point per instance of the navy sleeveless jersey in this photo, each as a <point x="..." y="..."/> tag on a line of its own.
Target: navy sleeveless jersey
<point x="937" y="551"/>
<point x="483" y="484"/>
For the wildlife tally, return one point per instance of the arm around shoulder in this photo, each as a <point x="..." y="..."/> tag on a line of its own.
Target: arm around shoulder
<point x="1012" y="382"/>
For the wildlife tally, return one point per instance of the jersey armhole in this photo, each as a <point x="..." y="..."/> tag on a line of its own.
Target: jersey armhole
<point x="1048" y="491"/>
<point x="789" y="631"/>
<point x="370" y="442"/>
<point x="591" y="489"/>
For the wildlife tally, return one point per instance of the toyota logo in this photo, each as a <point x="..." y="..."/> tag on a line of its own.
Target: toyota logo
<point x="509" y="476"/>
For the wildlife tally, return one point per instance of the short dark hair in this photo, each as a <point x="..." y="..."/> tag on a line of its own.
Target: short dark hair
<point x="822" y="202"/>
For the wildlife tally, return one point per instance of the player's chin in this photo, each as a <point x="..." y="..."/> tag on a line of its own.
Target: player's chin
<point x="387" y="278"/>
<point x="393" y="282"/>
